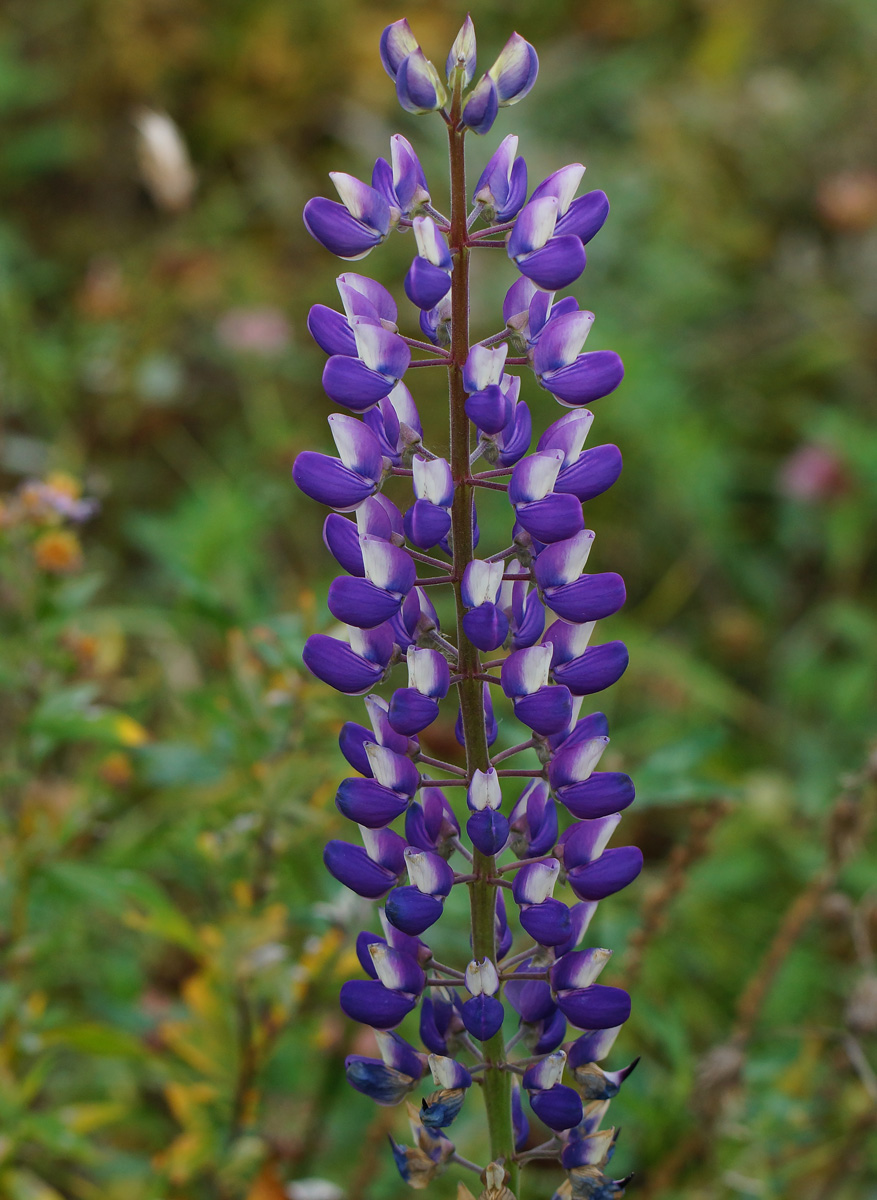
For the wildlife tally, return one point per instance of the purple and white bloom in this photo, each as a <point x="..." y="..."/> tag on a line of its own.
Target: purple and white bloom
<point x="463" y="53"/>
<point x="533" y="821"/>
<point x="355" y="226"/>
<point x="345" y="483"/>
<point x="402" y="184"/>
<point x="419" y="87"/>
<point x="428" y="520"/>
<point x="488" y="829"/>
<point x="359" y="382"/>
<point x="524" y="677"/>
<point x="547" y="516"/>
<point x="430" y="824"/>
<point x="508" y="81"/>
<point x="522" y="607"/>
<point x="413" y="708"/>
<point x="502" y="186"/>
<point x="484" y="624"/>
<point x="355" y="667"/>
<point x="389" y="575"/>
<point x="576" y="597"/>
<point x="573" y="378"/>
<point x="369" y="870"/>
<point x="429" y="277"/>
<point x="388" y="1079"/>
<point x="395" y="422"/>
<point x="482" y="1013"/>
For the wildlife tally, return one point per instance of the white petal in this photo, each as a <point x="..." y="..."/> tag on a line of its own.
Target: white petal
<point x="484" y="790"/>
<point x="481" y="977"/>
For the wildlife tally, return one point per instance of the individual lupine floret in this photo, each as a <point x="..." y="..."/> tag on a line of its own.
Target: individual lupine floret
<point x="487" y="828"/>
<point x="415" y="707"/>
<point x="346" y="482"/>
<point x="413" y="908"/>
<point x="419" y="87"/>
<point x="355" y="226"/>
<point x="556" y="1105"/>
<point x="363" y="300"/>
<point x="441" y="1108"/>
<point x="354" y="738"/>
<point x="395" y="422"/>
<point x="482" y="1013"/>
<point x="369" y="870"/>
<point x="545" y="708"/>
<point x="511" y="443"/>
<point x="429" y="518"/>
<point x="378" y="800"/>
<point x="488" y="406"/>
<point x="485" y="624"/>
<point x="547" y="515"/>
<point x="545" y="919"/>
<point x="584" y="1055"/>
<point x="441" y="1025"/>
<point x="430" y="823"/>
<point x="584" y="669"/>
<point x="419" y="1165"/>
<point x="547" y="243"/>
<point x="584" y="217"/>
<point x="353" y="667"/>
<point x="417" y="618"/>
<point x="586" y="1004"/>
<point x="386" y="1080"/>
<point x="508" y="81"/>
<point x="389" y="575"/>
<point x="462" y="53"/>
<point x="593" y="872"/>
<point x="435" y="322"/>
<point x="584" y="473"/>
<point x="429" y="277"/>
<point x="542" y="1024"/>
<point x="402" y="184"/>
<point x="359" y="382"/>
<point x="588" y="794"/>
<point x="342" y="537"/>
<point x="384" y="1002"/>
<point x="576" y="597"/>
<point x="502" y="186"/>
<point x="533" y="821"/>
<point x="523" y="608"/>
<point x="572" y="378"/>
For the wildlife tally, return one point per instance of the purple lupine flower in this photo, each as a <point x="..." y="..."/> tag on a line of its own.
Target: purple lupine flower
<point x="412" y="847"/>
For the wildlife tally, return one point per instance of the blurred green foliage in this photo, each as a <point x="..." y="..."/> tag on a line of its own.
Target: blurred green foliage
<point x="171" y="946"/>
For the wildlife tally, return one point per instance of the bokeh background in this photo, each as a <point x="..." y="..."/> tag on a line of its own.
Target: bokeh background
<point x="171" y="946"/>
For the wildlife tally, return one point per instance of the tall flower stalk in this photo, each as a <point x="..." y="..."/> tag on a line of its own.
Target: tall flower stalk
<point x="499" y="605"/>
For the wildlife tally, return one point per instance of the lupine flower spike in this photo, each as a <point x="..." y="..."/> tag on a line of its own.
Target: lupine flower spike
<point x="533" y="842"/>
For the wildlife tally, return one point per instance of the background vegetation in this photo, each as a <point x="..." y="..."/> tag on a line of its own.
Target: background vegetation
<point x="171" y="946"/>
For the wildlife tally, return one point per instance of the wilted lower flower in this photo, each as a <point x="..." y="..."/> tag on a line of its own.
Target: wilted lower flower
<point x="409" y="849"/>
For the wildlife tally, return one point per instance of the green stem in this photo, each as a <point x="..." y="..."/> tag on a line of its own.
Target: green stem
<point x="482" y="893"/>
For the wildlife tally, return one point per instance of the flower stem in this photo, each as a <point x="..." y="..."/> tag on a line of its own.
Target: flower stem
<point x="497" y="1083"/>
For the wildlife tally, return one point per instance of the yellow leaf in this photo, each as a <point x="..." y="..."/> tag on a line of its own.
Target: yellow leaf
<point x="129" y="731"/>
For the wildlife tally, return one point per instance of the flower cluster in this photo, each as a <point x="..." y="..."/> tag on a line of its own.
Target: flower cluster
<point x="528" y="832"/>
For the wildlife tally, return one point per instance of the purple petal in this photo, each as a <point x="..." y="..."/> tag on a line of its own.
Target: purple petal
<point x="518" y="299"/>
<point x="568" y="433"/>
<point x="369" y="1002"/>
<point x="589" y="378"/>
<point x="533" y="230"/>
<point x="528" y="630"/>
<point x="483" y="1016"/>
<point x="586" y="216"/>
<point x="409" y="181"/>
<point x="515" y="440"/>
<point x="525" y="671"/>
<point x="374" y="1079"/>
<point x="490" y="409"/>
<point x="531" y="999"/>
<point x="596" y="669"/>
<point x="334" y="228"/>
<point x="426" y="284"/>
<point x="362" y="202"/>
<point x="342" y="540"/>
<point x="361" y="603"/>
<point x="387" y="566"/>
<point x="585" y="841"/>
<point x="351" y="866"/>
<point x="515" y="70"/>
<point x="547" y="923"/>
<point x="364" y="297"/>
<point x="488" y="831"/>
<point x="418" y="88"/>
<point x="397" y="970"/>
<point x="562" y="562"/>
<point x="411" y="910"/>
<point x="411" y="712"/>
<point x="338" y="665"/>
<point x="553" y="519"/>
<point x="546" y="711"/>
<point x="486" y="627"/>
<point x="590" y="598"/>
<point x="369" y="803"/>
<point x="595" y="1007"/>
<point x="463" y="50"/>
<point x="482" y="106"/>
<point x="328" y="481"/>
<point x="560" y="342"/>
<point x="593" y="473"/>
<point x="578" y="969"/>
<point x="381" y="349"/>
<point x="350" y="382"/>
<point x="397" y="42"/>
<point x="603" y="793"/>
<point x="533" y="478"/>
<point x="426" y="524"/>
<point x="330" y="330"/>
<point x="555" y="265"/>
<point x="575" y="760"/>
<point x="517" y="192"/>
<point x="559" y="1107"/>
<point x="591" y="1047"/>
<point x="608" y="874"/>
<point x="553" y="1033"/>
<point x="352" y="740"/>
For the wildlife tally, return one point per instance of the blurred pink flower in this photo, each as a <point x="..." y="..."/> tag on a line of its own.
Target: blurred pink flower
<point x="813" y="474"/>
<point x="263" y="331"/>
